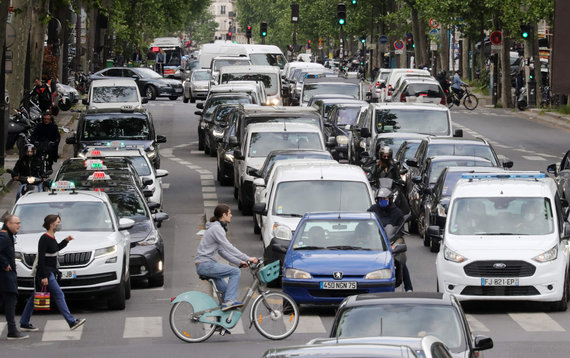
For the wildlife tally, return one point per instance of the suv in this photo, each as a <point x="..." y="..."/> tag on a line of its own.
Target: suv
<point x="419" y="89"/>
<point x="97" y="262"/>
<point x="130" y="127"/>
<point x="505" y="238"/>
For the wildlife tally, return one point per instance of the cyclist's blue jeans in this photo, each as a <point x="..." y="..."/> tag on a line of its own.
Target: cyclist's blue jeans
<point x="219" y="272"/>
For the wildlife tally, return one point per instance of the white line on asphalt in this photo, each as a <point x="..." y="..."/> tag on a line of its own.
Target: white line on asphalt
<point x="310" y="324"/>
<point x="208" y="189"/>
<point x="142" y="327"/>
<point x="210" y="203"/>
<point x="196" y="152"/>
<point x="58" y="330"/>
<point x="206" y="177"/>
<point x="2" y="326"/>
<point x="183" y="162"/>
<point x="193" y="167"/>
<point x="165" y="185"/>
<point x="208" y="182"/>
<point x="532" y="157"/>
<point x="536" y="322"/>
<point x="475" y="324"/>
<point x="204" y="171"/>
<point x="209" y="196"/>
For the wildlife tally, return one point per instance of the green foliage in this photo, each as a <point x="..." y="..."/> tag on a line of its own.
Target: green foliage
<point x="564" y="109"/>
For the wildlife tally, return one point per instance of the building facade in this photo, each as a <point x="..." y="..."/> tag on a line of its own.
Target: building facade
<point x="224" y="12"/>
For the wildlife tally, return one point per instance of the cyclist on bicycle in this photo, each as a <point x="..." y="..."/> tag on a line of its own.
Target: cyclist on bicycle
<point x="456" y="85"/>
<point x="215" y="242"/>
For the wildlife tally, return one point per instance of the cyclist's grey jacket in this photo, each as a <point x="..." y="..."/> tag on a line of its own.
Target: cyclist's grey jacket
<point x="215" y="242"/>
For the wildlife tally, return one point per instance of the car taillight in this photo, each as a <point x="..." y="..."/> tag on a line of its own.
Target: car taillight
<point x="403" y="97"/>
<point x="443" y="101"/>
<point x="377" y="84"/>
<point x="390" y="90"/>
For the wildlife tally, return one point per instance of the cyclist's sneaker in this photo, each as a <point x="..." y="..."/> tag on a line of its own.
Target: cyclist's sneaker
<point x="229" y="305"/>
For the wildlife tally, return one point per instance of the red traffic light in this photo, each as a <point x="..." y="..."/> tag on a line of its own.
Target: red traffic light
<point x="229" y="34"/>
<point x="249" y="28"/>
<point x="309" y="41"/>
<point x="155" y="49"/>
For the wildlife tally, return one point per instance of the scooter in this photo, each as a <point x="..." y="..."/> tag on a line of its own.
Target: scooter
<point x="30" y="184"/>
<point x="399" y="247"/>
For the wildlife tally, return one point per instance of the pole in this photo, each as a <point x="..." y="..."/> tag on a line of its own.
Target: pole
<point x="341" y="43"/>
<point x="294" y="52"/>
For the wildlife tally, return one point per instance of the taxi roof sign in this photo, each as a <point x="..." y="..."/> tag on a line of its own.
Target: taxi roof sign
<point x="99" y="176"/>
<point x="115" y="144"/>
<point x="62" y="185"/>
<point x="95" y="153"/>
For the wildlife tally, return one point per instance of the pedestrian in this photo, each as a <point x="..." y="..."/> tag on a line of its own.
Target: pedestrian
<point x="47" y="275"/>
<point x="160" y="61"/>
<point x="8" y="276"/>
<point x="137" y="56"/>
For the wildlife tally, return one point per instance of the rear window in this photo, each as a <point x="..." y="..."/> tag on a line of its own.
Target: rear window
<point x="262" y="143"/>
<point x="114" y="94"/>
<point x="423" y="89"/>
<point x="237" y="62"/>
<point x="269" y="80"/>
<point x="116" y="128"/>
<point x="201" y="76"/>
<point x="482" y="151"/>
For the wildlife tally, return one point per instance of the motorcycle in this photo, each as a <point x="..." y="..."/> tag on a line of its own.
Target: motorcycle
<point x="22" y="124"/>
<point x="521" y="99"/>
<point x="399" y="247"/>
<point x="30" y="184"/>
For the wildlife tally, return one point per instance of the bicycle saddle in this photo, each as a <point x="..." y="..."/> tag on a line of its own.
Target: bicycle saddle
<point x="205" y="278"/>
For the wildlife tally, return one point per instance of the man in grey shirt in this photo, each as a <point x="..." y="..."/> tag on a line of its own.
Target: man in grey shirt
<point x="215" y="242"/>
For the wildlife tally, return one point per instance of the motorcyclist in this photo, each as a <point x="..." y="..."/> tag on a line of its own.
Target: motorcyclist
<point x="43" y="93"/>
<point x="28" y="166"/>
<point x="389" y="214"/>
<point x="442" y="79"/>
<point x="48" y="137"/>
<point x="385" y="167"/>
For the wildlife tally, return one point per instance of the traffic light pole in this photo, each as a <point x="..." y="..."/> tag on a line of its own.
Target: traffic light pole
<point x="294" y="52"/>
<point x="341" y="43"/>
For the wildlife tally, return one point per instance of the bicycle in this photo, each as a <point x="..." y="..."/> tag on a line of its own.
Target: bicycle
<point x="195" y="316"/>
<point x="470" y="101"/>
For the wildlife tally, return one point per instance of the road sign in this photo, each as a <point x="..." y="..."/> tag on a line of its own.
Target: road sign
<point x="399" y="44"/>
<point x="496" y="37"/>
<point x="433" y="45"/>
<point x="496" y="48"/>
<point x="399" y="52"/>
<point x="383" y="39"/>
<point x="433" y="23"/>
<point x="434" y="32"/>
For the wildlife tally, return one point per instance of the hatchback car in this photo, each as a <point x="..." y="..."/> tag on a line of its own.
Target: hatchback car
<point x="196" y="86"/>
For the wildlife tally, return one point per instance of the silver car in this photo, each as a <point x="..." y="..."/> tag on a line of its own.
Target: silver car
<point x="196" y="85"/>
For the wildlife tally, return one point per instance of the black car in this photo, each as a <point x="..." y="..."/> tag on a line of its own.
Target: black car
<point x="562" y="176"/>
<point x="343" y="350"/>
<point x="340" y="122"/>
<point x="409" y="314"/>
<point x="150" y="83"/>
<point x="99" y="128"/>
<point x="225" y="154"/>
<point x="435" y="201"/>
<point x="426" y="178"/>
<point x="214" y="129"/>
<point x="207" y="109"/>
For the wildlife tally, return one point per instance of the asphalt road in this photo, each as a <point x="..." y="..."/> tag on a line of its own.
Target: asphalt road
<point x="142" y="329"/>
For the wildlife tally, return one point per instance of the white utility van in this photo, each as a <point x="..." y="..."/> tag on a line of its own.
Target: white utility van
<point x="115" y="93"/>
<point x="268" y="75"/>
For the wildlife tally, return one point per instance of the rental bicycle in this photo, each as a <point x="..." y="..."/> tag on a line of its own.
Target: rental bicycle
<point x="195" y="316"/>
<point x="470" y="101"/>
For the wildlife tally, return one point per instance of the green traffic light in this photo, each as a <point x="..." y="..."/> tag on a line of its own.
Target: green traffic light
<point x="353" y="2"/>
<point x="524" y="35"/>
<point x="341" y="21"/>
<point x="264" y="34"/>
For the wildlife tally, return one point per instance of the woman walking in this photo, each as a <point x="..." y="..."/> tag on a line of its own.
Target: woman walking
<point x="47" y="275"/>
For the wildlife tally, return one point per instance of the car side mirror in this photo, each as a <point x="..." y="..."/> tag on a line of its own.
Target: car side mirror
<point x="160" y="139"/>
<point x="238" y="155"/>
<point x="144" y="100"/>
<point x="153" y="205"/>
<point x="198" y="113"/>
<point x="160" y="217"/>
<point x="412" y="163"/>
<point x="482" y="343"/>
<point x="126" y="223"/>
<point x="458" y="133"/>
<point x="434" y="232"/>
<point x="70" y="140"/>
<point x="233" y="141"/>
<point x="259" y="209"/>
<point x="161" y="173"/>
<point x="259" y="182"/>
<point x="331" y="142"/>
<point x="200" y="105"/>
<point x="551" y="169"/>
<point x="400" y="248"/>
<point x="253" y="172"/>
<point x="147" y="181"/>
<point x="508" y="164"/>
<point x="365" y="132"/>
<point x="85" y="101"/>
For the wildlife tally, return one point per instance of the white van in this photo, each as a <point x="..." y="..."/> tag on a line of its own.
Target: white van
<point x="268" y="75"/>
<point x="258" y="54"/>
<point x="219" y="48"/>
<point x="296" y="190"/>
<point x="266" y="55"/>
<point x="505" y="238"/>
<point x="116" y="93"/>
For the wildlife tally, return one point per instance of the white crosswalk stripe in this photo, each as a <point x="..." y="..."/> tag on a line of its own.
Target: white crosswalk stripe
<point x="475" y="324"/>
<point x="536" y="322"/>
<point x="165" y="185"/>
<point x="143" y="327"/>
<point x="2" y="326"/>
<point x="58" y="330"/>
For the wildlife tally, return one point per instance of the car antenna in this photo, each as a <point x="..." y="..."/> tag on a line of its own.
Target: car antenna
<point x="381" y="321"/>
<point x="284" y="125"/>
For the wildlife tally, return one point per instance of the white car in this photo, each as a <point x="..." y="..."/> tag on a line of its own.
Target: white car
<point x="114" y="93"/>
<point x="96" y="262"/>
<point x="385" y="94"/>
<point x="505" y="238"/>
<point x="296" y="190"/>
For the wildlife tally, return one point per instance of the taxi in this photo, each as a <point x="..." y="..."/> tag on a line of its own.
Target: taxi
<point x="96" y="262"/>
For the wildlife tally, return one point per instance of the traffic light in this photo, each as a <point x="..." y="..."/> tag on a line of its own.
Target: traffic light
<point x="341" y="13"/>
<point x="308" y="44"/>
<point x="263" y="29"/>
<point x="363" y="39"/>
<point x="353" y="2"/>
<point x="248" y="32"/>
<point x="229" y="36"/>
<point x="525" y="31"/>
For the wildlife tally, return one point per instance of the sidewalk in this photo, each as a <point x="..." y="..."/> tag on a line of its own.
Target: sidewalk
<point x="8" y="195"/>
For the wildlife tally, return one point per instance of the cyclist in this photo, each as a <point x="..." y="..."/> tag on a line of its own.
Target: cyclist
<point x="215" y="242"/>
<point x="456" y="85"/>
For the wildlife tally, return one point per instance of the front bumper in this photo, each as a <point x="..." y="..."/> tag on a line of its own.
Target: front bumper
<point x="145" y="262"/>
<point x="170" y="91"/>
<point x="309" y="291"/>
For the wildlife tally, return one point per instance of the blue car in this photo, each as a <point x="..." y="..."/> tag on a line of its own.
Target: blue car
<point x="335" y="255"/>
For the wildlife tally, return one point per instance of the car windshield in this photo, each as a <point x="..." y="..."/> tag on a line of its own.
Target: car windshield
<point x="213" y="102"/>
<point x="268" y="59"/>
<point x="116" y="128"/>
<point x="128" y="205"/>
<point x="312" y="89"/>
<point x="147" y="73"/>
<point x="410" y="150"/>
<point x="115" y="94"/>
<point x="424" y="89"/>
<point x="482" y="151"/>
<point x="274" y="159"/>
<point x="404" y="320"/>
<point x="141" y="165"/>
<point x="269" y="80"/>
<point x="333" y="234"/>
<point x="237" y="62"/>
<point x="82" y="178"/>
<point x="347" y="115"/>
<point x="75" y="216"/>
<point x="501" y="216"/>
<point x="262" y="143"/>
<point x="201" y="76"/>
<point x="412" y="120"/>
<point x="299" y="197"/>
<point x="438" y="166"/>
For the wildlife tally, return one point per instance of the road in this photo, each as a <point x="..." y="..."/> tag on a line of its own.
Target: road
<point x="142" y="329"/>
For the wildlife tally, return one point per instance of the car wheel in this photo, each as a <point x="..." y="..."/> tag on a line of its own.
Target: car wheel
<point x="117" y="299"/>
<point x="184" y="99"/>
<point x="173" y="98"/>
<point x="562" y="305"/>
<point x="422" y="227"/>
<point x="192" y="100"/>
<point x="200" y="142"/>
<point x="256" y="228"/>
<point x="150" y="93"/>
<point x="206" y="145"/>
<point x="128" y="288"/>
<point x="433" y="245"/>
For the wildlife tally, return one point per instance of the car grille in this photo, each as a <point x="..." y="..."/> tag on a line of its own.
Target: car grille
<point x="512" y="269"/>
<point x="500" y="291"/>
<point x="135" y="263"/>
<point x="66" y="260"/>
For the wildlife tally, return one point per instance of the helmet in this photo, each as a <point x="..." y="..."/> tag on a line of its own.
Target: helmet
<point x="47" y="112"/>
<point x="385" y="150"/>
<point x="383" y="193"/>
<point x="30" y="148"/>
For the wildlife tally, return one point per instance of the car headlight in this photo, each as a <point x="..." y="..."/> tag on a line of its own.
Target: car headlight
<point x="19" y="256"/>
<point x="341" y="140"/>
<point x="273" y="102"/>
<point x="106" y="251"/>
<point x="217" y="133"/>
<point x="229" y="157"/>
<point x="379" y="275"/>
<point x="441" y="211"/>
<point x="151" y="154"/>
<point x="151" y="239"/>
<point x="546" y="256"/>
<point x="453" y="256"/>
<point x="30" y="180"/>
<point x="297" y="274"/>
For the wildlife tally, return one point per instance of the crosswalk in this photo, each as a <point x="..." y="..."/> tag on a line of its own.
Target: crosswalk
<point x="57" y="330"/>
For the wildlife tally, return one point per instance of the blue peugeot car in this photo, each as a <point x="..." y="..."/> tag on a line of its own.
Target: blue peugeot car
<point x="335" y="255"/>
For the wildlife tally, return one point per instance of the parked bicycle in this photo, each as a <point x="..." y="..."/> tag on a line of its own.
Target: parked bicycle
<point x="470" y="101"/>
<point x="549" y="98"/>
<point x="195" y="316"/>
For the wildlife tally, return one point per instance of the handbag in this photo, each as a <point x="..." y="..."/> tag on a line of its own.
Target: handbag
<point x="42" y="300"/>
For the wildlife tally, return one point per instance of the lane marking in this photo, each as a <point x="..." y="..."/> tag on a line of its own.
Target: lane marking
<point x="209" y="182"/>
<point x="310" y="324"/>
<point x="533" y="157"/>
<point x="206" y="177"/>
<point x="210" y="203"/>
<point x="475" y="324"/>
<point x="209" y="195"/>
<point x="208" y="189"/>
<point x="536" y="322"/>
<point x="2" y="327"/>
<point x="165" y="185"/>
<point x="142" y="327"/>
<point x="204" y="171"/>
<point x="58" y="330"/>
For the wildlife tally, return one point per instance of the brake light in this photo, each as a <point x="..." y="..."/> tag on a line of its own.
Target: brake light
<point x="390" y="90"/>
<point x="403" y="97"/>
<point x="99" y="189"/>
<point x="377" y="84"/>
<point x="443" y="101"/>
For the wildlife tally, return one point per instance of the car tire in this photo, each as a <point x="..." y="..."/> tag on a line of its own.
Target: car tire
<point x="200" y="142"/>
<point x="128" y="288"/>
<point x="223" y="181"/>
<point x="421" y="222"/>
<point x="173" y="98"/>
<point x="156" y="281"/>
<point x="413" y="226"/>
<point x="235" y="192"/>
<point x="117" y="299"/>
<point x="150" y="93"/>
<point x="562" y="305"/>
<point x="434" y="245"/>
<point x="192" y="100"/>
<point x="256" y="228"/>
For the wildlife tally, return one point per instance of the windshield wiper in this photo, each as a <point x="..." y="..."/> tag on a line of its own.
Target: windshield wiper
<point x="309" y="248"/>
<point x="346" y="247"/>
<point x="498" y="233"/>
<point x="291" y="214"/>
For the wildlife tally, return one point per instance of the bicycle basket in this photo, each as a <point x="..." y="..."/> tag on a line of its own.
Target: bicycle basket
<point x="269" y="272"/>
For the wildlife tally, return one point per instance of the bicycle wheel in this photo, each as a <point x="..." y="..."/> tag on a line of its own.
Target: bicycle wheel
<point x="188" y="329"/>
<point x="470" y="102"/>
<point x="275" y="316"/>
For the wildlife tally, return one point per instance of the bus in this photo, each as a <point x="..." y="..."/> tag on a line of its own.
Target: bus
<point x="174" y="51"/>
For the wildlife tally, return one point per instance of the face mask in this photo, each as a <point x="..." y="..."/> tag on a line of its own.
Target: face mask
<point x="383" y="203"/>
<point x="57" y="227"/>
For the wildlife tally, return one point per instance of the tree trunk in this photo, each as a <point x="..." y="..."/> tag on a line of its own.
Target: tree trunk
<point x="537" y="64"/>
<point x="465" y="58"/>
<point x="506" y="100"/>
<point x="444" y="49"/>
<point x="417" y="33"/>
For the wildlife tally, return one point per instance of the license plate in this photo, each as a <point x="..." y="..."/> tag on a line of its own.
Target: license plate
<point x="68" y="275"/>
<point x="338" y="285"/>
<point x="499" y="282"/>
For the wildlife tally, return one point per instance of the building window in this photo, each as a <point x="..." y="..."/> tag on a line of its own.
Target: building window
<point x="223" y="9"/>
